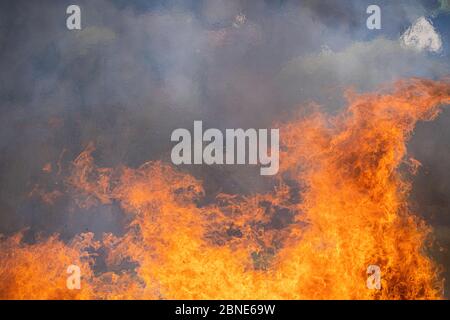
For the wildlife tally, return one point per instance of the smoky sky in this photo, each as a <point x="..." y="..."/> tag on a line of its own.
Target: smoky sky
<point x="140" y="69"/>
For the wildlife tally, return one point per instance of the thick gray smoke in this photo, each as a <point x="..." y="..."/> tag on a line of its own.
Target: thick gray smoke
<point x="140" y="69"/>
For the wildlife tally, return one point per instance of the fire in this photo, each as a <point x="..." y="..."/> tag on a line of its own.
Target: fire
<point x="340" y="205"/>
<point x="27" y="270"/>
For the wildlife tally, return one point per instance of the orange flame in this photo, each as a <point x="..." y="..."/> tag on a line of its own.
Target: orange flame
<point x="340" y="206"/>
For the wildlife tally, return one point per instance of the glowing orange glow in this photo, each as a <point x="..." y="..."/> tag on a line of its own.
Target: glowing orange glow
<point x="340" y="205"/>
